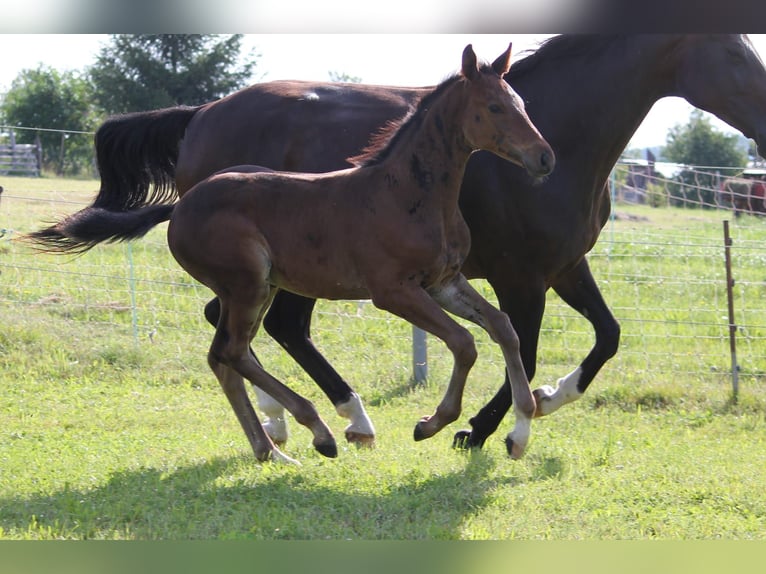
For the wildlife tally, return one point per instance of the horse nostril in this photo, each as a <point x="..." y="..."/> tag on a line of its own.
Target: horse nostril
<point x="547" y="161"/>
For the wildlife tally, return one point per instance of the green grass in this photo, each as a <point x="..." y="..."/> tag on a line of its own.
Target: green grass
<point x="113" y="427"/>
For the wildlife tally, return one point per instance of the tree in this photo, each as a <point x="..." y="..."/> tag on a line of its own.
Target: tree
<point x="54" y="107"/>
<point x="698" y="143"/>
<point x="139" y="72"/>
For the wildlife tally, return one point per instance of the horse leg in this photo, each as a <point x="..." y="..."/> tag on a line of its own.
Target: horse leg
<point x="525" y="307"/>
<point x="234" y="389"/>
<point x="288" y="321"/>
<point x="240" y="318"/>
<point x="579" y="290"/>
<point x="274" y="422"/>
<point x="461" y="299"/>
<point x="420" y="309"/>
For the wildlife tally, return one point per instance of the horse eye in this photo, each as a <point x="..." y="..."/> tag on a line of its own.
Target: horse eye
<point x="495" y="108"/>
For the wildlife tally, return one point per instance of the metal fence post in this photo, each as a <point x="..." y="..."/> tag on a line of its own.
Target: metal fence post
<point x="419" y="356"/>
<point x="730" y="297"/>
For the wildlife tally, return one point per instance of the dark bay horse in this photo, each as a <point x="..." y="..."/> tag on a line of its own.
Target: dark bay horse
<point x="586" y="94"/>
<point x="389" y="230"/>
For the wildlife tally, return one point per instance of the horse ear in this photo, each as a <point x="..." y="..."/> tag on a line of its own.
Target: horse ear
<point x="470" y="67"/>
<point x="503" y="62"/>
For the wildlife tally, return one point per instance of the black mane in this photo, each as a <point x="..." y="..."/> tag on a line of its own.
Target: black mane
<point x="563" y="46"/>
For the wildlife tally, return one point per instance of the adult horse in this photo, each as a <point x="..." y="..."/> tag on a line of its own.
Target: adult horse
<point x="388" y="230"/>
<point x="587" y="95"/>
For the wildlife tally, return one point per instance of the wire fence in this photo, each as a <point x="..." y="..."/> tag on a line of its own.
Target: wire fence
<point x="660" y="263"/>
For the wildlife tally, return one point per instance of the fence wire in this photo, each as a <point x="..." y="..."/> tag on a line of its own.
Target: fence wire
<point x="659" y="263"/>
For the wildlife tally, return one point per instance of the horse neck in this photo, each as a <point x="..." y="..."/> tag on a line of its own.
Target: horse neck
<point x="614" y="91"/>
<point x="432" y="156"/>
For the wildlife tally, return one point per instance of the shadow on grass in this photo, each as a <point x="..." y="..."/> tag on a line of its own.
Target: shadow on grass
<point x="226" y="499"/>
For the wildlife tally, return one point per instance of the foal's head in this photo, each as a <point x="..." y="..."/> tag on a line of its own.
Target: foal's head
<point x="495" y="118"/>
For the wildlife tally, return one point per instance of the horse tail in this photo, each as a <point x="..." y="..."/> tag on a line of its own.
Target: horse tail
<point x="93" y="225"/>
<point x="136" y="156"/>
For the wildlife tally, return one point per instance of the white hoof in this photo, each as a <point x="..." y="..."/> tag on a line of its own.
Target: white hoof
<point x="361" y="430"/>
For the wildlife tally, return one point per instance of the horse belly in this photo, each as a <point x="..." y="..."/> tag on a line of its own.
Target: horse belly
<point x="310" y="263"/>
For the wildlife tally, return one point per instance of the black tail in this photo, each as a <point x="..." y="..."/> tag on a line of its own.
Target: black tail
<point x="137" y="151"/>
<point x="136" y="156"/>
<point x="93" y="225"/>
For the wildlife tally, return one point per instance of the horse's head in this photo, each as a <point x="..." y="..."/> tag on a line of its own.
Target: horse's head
<point x="495" y="118"/>
<point x="724" y="75"/>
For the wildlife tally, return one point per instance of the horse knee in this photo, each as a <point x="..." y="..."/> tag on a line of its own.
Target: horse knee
<point x="463" y="348"/>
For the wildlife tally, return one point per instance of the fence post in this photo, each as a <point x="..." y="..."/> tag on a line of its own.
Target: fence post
<point x="419" y="355"/>
<point x="132" y="285"/>
<point x="730" y="297"/>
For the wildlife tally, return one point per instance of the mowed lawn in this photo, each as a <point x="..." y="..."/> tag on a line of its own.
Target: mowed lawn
<point x="113" y="427"/>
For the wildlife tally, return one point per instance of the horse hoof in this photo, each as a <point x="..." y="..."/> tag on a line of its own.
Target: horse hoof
<point x="515" y="450"/>
<point x="328" y="449"/>
<point x="361" y="440"/>
<point x="419" y="434"/>
<point x="462" y="440"/>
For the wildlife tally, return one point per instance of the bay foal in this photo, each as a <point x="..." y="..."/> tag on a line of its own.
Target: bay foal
<point x="389" y="230"/>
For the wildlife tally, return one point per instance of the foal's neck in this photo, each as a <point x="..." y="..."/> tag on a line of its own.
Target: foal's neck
<point x="431" y="158"/>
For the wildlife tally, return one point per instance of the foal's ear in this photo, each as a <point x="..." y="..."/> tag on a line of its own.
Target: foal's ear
<point x="470" y="67"/>
<point x="503" y="62"/>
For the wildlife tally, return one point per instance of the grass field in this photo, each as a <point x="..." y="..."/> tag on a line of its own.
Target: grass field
<point x="112" y="426"/>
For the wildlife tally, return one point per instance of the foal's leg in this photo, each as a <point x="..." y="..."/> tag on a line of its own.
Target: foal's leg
<point x="413" y="304"/>
<point x="234" y="388"/>
<point x="288" y="322"/>
<point x="240" y="319"/>
<point x="274" y="422"/>
<point x="460" y="298"/>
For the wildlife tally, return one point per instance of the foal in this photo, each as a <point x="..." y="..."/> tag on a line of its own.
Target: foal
<point x="388" y="230"/>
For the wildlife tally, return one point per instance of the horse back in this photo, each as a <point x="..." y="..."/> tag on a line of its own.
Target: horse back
<point x="288" y="126"/>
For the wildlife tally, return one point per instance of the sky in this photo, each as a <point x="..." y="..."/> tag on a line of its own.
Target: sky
<point x="397" y="59"/>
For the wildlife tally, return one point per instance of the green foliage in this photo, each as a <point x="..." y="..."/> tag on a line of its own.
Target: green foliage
<point x="699" y="143"/>
<point x="656" y="196"/>
<point x="46" y="99"/>
<point x="138" y="72"/>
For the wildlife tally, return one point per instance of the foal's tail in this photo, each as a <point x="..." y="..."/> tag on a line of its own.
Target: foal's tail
<point x="93" y="225"/>
<point x="136" y="156"/>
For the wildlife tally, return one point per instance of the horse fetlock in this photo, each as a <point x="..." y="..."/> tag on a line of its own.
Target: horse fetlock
<point x="361" y="430"/>
<point x="525" y="405"/>
<point x="550" y="399"/>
